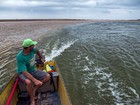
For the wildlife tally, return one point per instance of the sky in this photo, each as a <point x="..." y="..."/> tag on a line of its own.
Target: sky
<point x="70" y="9"/>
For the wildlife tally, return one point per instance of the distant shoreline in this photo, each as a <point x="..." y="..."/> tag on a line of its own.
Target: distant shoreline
<point x="42" y="20"/>
<point x="92" y="20"/>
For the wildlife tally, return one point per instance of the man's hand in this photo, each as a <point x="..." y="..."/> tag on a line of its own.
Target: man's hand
<point x="43" y="60"/>
<point x="38" y="83"/>
<point x="40" y="56"/>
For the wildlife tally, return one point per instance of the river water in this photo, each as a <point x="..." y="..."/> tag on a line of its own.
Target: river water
<point x="99" y="62"/>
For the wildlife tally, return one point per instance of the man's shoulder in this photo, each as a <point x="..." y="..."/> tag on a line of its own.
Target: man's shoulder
<point x="35" y="50"/>
<point x="19" y="55"/>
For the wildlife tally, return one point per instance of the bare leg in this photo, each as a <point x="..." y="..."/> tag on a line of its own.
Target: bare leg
<point x="29" y="87"/>
<point x="34" y="89"/>
<point x="47" y="78"/>
<point x="44" y="81"/>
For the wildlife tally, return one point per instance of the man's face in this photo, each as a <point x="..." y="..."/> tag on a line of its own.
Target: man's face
<point x="31" y="47"/>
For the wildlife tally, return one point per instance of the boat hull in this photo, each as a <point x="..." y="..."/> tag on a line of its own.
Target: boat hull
<point x="10" y="93"/>
<point x="7" y="92"/>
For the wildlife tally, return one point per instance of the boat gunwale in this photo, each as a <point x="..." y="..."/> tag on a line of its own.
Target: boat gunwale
<point x="61" y="77"/>
<point x="12" y="78"/>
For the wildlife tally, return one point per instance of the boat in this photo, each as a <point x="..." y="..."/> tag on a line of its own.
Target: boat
<point x="55" y="92"/>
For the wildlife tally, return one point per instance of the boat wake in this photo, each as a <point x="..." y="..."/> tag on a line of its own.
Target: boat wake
<point x="107" y="85"/>
<point x="58" y="51"/>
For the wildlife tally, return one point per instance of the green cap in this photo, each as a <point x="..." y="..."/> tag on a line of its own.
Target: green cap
<point x="28" y="43"/>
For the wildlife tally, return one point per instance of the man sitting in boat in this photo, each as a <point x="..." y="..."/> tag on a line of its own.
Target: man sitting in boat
<point x="26" y="68"/>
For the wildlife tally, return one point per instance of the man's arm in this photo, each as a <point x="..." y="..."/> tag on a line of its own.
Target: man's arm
<point x="40" y="56"/>
<point x="34" y="80"/>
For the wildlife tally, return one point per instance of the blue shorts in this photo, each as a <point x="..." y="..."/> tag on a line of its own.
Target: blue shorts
<point x="38" y="74"/>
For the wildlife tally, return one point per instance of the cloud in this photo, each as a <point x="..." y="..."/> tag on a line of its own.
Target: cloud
<point x="119" y="4"/>
<point x="71" y="8"/>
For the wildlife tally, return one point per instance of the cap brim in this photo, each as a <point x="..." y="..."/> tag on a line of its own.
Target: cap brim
<point x="34" y="42"/>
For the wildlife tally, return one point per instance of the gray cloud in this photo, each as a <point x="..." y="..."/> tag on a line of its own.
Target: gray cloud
<point x="120" y="4"/>
<point x="97" y="9"/>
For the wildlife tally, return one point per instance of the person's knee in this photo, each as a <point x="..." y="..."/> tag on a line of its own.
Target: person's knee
<point x="46" y="79"/>
<point x="48" y="76"/>
<point x="28" y="82"/>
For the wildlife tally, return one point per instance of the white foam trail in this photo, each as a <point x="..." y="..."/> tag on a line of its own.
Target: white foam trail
<point x="56" y="52"/>
<point x="106" y="83"/>
<point x="134" y="91"/>
<point x="106" y="78"/>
